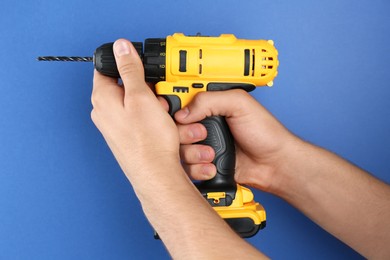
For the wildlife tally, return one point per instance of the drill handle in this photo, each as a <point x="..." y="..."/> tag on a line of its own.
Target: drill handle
<point x="221" y="140"/>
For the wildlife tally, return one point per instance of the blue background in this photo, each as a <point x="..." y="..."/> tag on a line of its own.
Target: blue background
<point x="62" y="194"/>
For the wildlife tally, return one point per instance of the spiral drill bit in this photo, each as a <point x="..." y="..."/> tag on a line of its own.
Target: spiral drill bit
<point x="65" y="58"/>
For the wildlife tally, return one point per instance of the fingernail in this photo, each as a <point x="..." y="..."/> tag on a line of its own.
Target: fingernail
<point x="208" y="170"/>
<point x="121" y="47"/>
<point x="204" y="155"/>
<point x="183" y="113"/>
<point x="196" y="132"/>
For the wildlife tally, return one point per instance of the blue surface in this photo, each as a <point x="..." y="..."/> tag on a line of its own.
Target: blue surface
<point x="62" y="194"/>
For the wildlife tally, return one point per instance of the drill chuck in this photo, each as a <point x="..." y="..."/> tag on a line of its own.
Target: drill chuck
<point x="153" y="59"/>
<point x="104" y="59"/>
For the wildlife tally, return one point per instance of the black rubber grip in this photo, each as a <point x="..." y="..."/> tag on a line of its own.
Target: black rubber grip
<point x="221" y="140"/>
<point x="104" y="59"/>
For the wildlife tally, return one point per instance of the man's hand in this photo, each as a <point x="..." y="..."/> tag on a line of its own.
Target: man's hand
<point x="145" y="141"/>
<point x="343" y="199"/>
<point x="260" y="139"/>
<point x="137" y="129"/>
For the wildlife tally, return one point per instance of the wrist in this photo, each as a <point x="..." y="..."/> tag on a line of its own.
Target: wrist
<point x="144" y="167"/>
<point x="287" y="171"/>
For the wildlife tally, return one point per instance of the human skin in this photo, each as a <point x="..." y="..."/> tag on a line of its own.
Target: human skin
<point x="145" y="141"/>
<point x="345" y="200"/>
<point x="342" y="198"/>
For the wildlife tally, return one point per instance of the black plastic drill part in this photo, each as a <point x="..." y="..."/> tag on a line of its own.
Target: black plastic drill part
<point x="104" y="59"/>
<point x="245" y="227"/>
<point x="221" y="140"/>
<point x="155" y="59"/>
<point x="246" y="62"/>
<point x="183" y="61"/>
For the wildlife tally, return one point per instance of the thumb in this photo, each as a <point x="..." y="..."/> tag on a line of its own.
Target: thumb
<point x="129" y="65"/>
<point x="228" y="103"/>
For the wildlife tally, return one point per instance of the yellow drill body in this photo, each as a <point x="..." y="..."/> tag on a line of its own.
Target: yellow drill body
<point x="215" y="59"/>
<point x="183" y="66"/>
<point x="193" y="64"/>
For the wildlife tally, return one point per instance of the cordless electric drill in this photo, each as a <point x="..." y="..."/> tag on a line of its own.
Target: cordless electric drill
<point x="182" y="66"/>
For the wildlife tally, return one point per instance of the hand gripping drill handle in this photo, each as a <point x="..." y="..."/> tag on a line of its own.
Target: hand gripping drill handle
<point x="183" y="66"/>
<point x="232" y="202"/>
<point x="220" y="190"/>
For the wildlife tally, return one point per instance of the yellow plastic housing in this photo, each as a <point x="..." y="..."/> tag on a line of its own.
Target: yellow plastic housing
<point x="216" y="59"/>
<point x="192" y="62"/>
<point x="243" y="206"/>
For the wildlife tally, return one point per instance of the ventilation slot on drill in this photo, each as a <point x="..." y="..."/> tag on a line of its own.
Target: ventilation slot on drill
<point x="246" y="62"/>
<point x="200" y="57"/>
<point x="248" y="69"/>
<point x="183" y="61"/>
<point x="266" y="63"/>
<point x="253" y="62"/>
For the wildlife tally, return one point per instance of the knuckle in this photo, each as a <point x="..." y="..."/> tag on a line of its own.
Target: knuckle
<point x="198" y="101"/>
<point x="190" y="169"/>
<point x="239" y="91"/>
<point x="131" y="67"/>
<point x="200" y="98"/>
<point x="93" y="116"/>
<point x="186" y="134"/>
<point x="194" y="153"/>
<point x="137" y="98"/>
<point x="240" y="94"/>
<point x="127" y="68"/>
<point x="94" y="98"/>
<point x="188" y="155"/>
<point x="183" y="153"/>
<point x="182" y="133"/>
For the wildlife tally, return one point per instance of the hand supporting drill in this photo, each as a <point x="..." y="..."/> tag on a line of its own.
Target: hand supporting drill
<point x="182" y="66"/>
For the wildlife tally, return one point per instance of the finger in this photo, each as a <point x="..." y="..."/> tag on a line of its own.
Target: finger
<point x="196" y="153"/>
<point x="218" y="103"/>
<point x="192" y="133"/>
<point x="152" y="86"/>
<point x="106" y="91"/>
<point x="99" y="78"/>
<point x="200" y="172"/>
<point x="164" y="103"/>
<point x="130" y="67"/>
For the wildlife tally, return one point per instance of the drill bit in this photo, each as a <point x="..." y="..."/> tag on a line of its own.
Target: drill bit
<point x="65" y="58"/>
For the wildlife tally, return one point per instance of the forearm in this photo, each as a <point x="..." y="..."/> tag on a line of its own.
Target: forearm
<point x="187" y="225"/>
<point x="128" y="118"/>
<point x="343" y="199"/>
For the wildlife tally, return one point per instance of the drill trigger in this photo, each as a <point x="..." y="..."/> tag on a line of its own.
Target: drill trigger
<point x="174" y="103"/>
